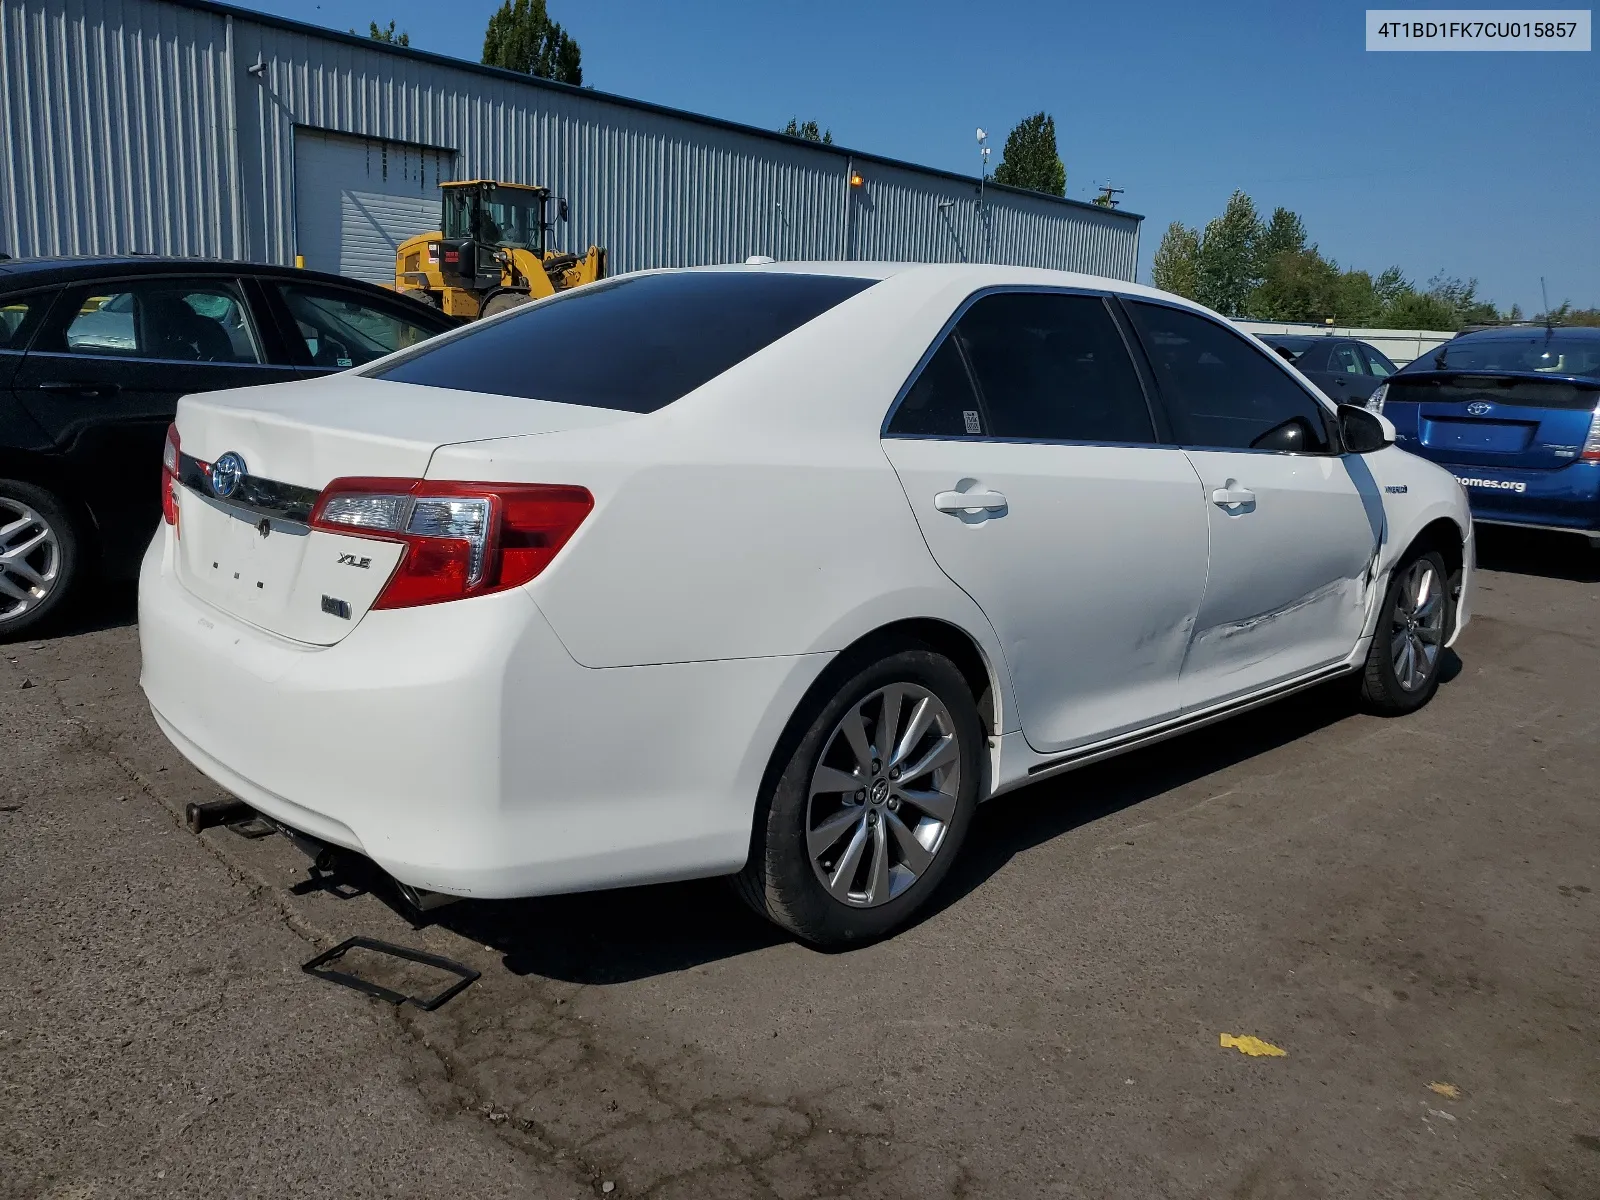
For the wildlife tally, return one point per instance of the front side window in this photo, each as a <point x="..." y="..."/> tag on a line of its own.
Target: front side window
<point x="1377" y="363"/>
<point x="341" y="330"/>
<point x="175" y="320"/>
<point x="1221" y="392"/>
<point x="634" y="344"/>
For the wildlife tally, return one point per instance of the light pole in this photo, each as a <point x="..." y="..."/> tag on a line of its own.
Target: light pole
<point x="983" y="163"/>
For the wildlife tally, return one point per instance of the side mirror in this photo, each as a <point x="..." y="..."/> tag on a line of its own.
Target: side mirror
<point x="1294" y="436"/>
<point x="561" y="208"/>
<point x="1364" y="431"/>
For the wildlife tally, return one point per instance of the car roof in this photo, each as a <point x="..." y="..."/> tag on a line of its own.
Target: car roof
<point x="18" y="273"/>
<point x="1508" y="333"/>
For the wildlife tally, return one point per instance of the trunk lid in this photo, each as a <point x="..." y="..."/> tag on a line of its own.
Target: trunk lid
<point x="252" y="553"/>
<point x="1505" y="420"/>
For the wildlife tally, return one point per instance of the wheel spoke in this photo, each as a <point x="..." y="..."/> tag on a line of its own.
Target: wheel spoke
<point x="941" y="754"/>
<point x="878" y="874"/>
<point x="831" y="779"/>
<point x="936" y="804"/>
<point x="1408" y="669"/>
<point x="1423" y="588"/>
<point x="7" y="588"/>
<point x="1430" y="634"/>
<point x="1397" y="648"/>
<point x="12" y="553"/>
<point x="19" y="524"/>
<point x="855" y="733"/>
<point x="913" y="853"/>
<point x="825" y="836"/>
<point x="1428" y="607"/>
<point x="921" y="718"/>
<point x="844" y="872"/>
<point x="21" y="567"/>
<point x="888" y="721"/>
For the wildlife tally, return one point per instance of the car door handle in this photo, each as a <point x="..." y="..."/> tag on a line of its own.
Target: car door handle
<point x="1233" y="494"/>
<point x="1341" y="381"/>
<point x="956" y="502"/>
<point x="81" y="389"/>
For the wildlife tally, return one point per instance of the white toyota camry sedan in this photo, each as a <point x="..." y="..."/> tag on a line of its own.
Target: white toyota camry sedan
<point x="770" y="571"/>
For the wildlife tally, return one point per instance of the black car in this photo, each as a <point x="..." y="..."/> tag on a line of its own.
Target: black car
<point x="94" y="354"/>
<point x="1346" y="370"/>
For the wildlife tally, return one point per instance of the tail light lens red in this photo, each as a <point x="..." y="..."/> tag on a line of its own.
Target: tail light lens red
<point x="169" y="478"/>
<point x="460" y="539"/>
<point x="1591" y="444"/>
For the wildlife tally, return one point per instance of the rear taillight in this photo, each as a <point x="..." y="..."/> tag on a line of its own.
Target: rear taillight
<point x="1591" y="444"/>
<point x="169" y="478"/>
<point x="460" y="539"/>
<point x="1375" y="401"/>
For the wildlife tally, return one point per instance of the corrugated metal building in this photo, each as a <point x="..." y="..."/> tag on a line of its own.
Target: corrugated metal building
<point x="193" y="128"/>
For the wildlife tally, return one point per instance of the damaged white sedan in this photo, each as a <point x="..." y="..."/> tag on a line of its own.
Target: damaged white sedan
<point x="771" y="571"/>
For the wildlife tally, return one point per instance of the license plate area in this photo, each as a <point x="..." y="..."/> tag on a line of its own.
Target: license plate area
<point x="1490" y="437"/>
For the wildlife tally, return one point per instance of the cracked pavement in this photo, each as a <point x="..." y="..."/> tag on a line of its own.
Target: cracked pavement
<point x="1397" y="904"/>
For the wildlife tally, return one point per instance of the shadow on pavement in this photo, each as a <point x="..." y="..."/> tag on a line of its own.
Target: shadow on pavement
<point x="1538" y="552"/>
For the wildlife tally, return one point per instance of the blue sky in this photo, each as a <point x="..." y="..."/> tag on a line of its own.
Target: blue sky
<point x="1483" y="165"/>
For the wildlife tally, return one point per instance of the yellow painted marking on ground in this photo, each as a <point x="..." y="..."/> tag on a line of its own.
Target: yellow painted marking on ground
<point x="1253" y="1046"/>
<point x="1448" y="1090"/>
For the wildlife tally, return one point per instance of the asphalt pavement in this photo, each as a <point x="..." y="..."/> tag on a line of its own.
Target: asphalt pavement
<point x="1409" y="910"/>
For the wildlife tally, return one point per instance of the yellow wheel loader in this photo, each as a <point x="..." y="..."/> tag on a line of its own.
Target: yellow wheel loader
<point x="489" y="254"/>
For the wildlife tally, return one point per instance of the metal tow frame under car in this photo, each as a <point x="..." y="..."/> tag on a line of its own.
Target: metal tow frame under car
<point x="318" y="966"/>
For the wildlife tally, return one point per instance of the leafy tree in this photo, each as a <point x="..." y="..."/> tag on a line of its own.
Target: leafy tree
<point x="1031" y="160"/>
<point x="1390" y="285"/>
<point x="1565" y="314"/>
<point x="809" y="131"/>
<point x="1419" y="310"/>
<point x="388" y="35"/>
<point x="522" y="37"/>
<point x="1227" y="259"/>
<point x="1300" y="285"/>
<point x="1463" y="301"/>
<point x="1285" y="233"/>
<point x="1176" y="266"/>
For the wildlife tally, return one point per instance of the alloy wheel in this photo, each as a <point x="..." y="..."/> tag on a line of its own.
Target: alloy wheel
<point x="883" y="794"/>
<point x="1417" y="631"/>
<point x="30" y="559"/>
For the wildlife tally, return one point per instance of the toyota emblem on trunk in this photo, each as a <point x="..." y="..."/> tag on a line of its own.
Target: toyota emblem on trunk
<point x="1478" y="407"/>
<point x="226" y="473"/>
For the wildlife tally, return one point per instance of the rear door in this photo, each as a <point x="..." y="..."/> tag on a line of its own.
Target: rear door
<point x="1029" y="455"/>
<point x="1350" y="380"/>
<point x="1293" y="532"/>
<point x="103" y="377"/>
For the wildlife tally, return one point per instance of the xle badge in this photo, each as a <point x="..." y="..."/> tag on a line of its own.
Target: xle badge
<point x="350" y="560"/>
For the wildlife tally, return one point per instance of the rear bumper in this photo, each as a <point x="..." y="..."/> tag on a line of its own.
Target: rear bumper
<point x="460" y="746"/>
<point x="1567" y="498"/>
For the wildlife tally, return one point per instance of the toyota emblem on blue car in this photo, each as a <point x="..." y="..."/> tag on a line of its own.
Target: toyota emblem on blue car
<point x="226" y="473"/>
<point x="1478" y="407"/>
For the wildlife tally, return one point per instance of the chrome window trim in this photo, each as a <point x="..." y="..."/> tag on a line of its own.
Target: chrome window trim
<point x="163" y="362"/>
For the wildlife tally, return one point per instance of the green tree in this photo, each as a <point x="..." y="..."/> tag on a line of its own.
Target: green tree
<point x="1300" y="285"/>
<point x="1390" y="285"/>
<point x="1176" y="266"/>
<point x="1565" y="314"/>
<point x="1285" y="233"/>
<point x="522" y="37"/>
<point x="388" y="35"/>
<point x="1227" y="259"/>
<point x="1031" y="160"/>
<point x="1419" y="310"/>
<point x="809" y="131"/>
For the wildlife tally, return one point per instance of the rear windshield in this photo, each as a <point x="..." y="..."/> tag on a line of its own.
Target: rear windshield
<point x="635" y="345"/>
<point x="1464" y="389"/>
<point x="1290" y="348"/>
<point x="1553" y="353"/>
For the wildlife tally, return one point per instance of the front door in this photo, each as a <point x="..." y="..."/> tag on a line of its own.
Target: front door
<point x="1027" y="451"/>
<point x="103" y="379"/>
<point x="1295" y="526"/>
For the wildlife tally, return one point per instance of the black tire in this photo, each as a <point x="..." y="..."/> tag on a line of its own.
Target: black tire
<point x="57" y="558"/>
<point x="501" y="301"/>
<point x="780" y="881"/>
<point x="1381" y="686"/>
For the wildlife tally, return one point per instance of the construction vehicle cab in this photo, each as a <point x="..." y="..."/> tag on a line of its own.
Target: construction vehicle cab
<point x="489" y="253"/>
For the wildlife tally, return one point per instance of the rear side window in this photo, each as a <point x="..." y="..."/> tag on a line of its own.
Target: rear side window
<point x="1347" y="359"/>
<point x="1049" y="368"/>
<point x="1221" y="392"/>
<point x="13" y="315"/>
<point x="1377" y="363"/>
<point x="1053" y="368"/>
<point x="635" y="344"/>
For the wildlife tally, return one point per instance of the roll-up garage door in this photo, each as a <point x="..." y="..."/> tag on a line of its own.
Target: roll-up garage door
<point x="356" y="199"/>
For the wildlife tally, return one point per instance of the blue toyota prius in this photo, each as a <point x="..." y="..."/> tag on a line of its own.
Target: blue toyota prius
<point x="1512" y="413"/>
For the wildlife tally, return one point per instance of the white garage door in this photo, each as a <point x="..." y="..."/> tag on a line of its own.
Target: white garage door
<point x="356" y="199"/>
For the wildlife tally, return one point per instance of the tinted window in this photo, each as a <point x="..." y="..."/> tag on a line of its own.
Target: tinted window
<point x="163" y="318"/>
<point x="1377" y="363"/>
<point x="12" y="315"/>
<point x="342" y="329"/>
<point x="1347" y="360"/>
<point x="1053" y="368"/>
<point x="1552" y="353"/>
<point x="632" y="344"/>
<point x="941" y="403"/>
<point x="1290" y="348"/>
<point x="1221" y="391"/>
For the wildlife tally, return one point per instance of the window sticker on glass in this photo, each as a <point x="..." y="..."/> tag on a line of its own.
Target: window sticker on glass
<point x="971" y="418"/>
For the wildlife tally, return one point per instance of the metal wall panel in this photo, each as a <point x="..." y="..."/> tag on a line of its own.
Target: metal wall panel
<point x="163" y="126"/>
